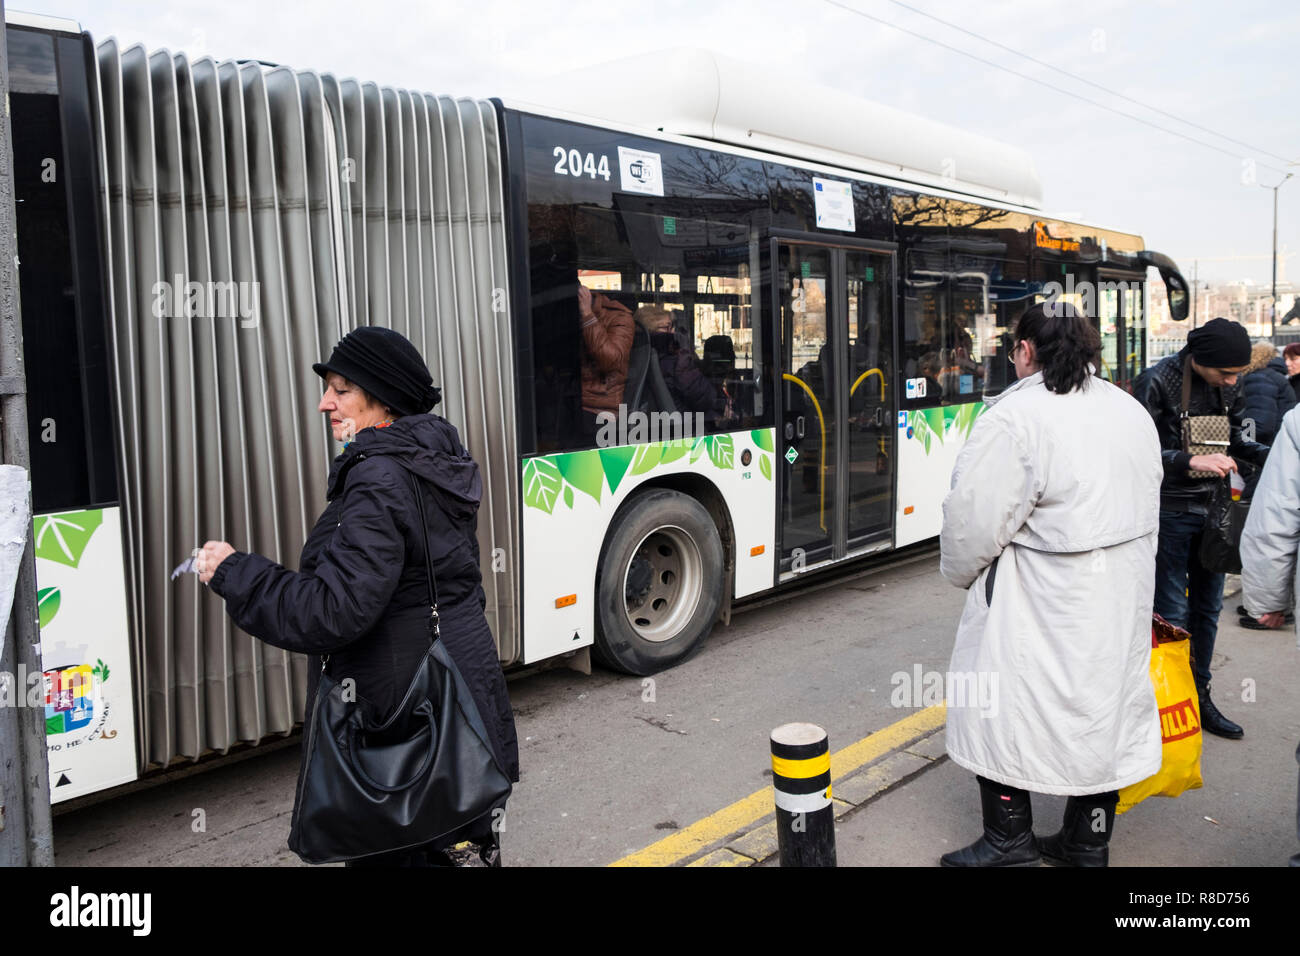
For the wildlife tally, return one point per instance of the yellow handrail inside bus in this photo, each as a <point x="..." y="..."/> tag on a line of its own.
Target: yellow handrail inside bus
<point x="880" y="443"/>
<point x="870" y="371"/>
<point x="821" y="421"/>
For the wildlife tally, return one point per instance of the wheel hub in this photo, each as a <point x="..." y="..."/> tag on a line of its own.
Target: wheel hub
<point x="663" y="584"/>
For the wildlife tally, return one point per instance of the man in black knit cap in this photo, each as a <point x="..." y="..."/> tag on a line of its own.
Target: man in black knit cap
<point x="1187" y="594"/>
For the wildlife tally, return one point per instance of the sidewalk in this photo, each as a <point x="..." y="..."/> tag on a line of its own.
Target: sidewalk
<point x="913" y="804"/>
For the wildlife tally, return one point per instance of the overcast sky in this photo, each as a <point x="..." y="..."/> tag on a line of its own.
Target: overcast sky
<point x="1227" y="67"/>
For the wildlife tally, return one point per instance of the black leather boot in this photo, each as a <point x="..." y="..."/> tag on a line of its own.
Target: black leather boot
<point x="1084" y="839"/>
<point x="1212" y="721"/>
<point x="1008" y="838"/>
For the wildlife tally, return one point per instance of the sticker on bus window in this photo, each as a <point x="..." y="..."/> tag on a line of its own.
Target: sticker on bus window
<point x="966" y="384"/>
<point x="902" y="419"/>
<point x="640" y="172"/>
<point x="833" y="202"/>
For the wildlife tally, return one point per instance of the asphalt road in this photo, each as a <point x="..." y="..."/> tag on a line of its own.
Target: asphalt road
<point x="611" y="763"/>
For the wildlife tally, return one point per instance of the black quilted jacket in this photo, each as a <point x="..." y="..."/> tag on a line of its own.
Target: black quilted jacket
<point x="1160" y="390"/>
<point x="361" y="593"/>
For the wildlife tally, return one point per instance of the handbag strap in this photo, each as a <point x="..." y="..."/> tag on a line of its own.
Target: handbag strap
<point x="434" y="631"/>
<point x="1187" y="384"/>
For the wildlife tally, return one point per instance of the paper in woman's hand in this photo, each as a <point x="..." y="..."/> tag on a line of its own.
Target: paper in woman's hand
<point x="186" y="566"/>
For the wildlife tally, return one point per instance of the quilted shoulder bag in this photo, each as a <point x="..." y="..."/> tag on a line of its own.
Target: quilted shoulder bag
<point x="1202" y="434"/>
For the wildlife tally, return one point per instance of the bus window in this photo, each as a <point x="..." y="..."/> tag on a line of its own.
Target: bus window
<point x="64" y="334"/>
<point x="1108" y="319"/>
<point x="1135" y="329"/>
<point x="671" y="327"/>
<point x="958" y="312"/>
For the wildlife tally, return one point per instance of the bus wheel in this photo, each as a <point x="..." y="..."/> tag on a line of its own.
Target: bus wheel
<point x="659" y="585"/>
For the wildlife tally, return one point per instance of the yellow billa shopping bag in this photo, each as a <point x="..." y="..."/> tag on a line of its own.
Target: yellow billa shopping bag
<point x="1180" y="718"/>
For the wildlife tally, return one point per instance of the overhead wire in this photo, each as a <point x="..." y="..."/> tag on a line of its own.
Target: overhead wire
<point x="1043" y="83"/>
<point x="1085" y="80"/>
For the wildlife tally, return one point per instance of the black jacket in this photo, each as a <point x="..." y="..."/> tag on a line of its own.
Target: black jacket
<point x="1268" y="396"/>
<point x="361" y="594"/>
<point x="1160" y="390"/>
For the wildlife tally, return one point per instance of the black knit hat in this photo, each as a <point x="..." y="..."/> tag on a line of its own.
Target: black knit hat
<point x="386" y="365"/>
<point x="1220" y="343"/>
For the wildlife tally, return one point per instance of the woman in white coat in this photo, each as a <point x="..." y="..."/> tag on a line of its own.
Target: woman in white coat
<point x="1052" y="523"/>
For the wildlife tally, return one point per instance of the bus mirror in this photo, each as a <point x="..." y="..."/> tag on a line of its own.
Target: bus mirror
<point x="1175" y="285"/>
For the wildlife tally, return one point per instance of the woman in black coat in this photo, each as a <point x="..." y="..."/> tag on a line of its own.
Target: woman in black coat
<point x="1266" y="391"/>
<point x="361" y="593"/>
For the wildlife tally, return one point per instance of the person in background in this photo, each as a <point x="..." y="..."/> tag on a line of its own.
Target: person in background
<point x="1267" y="392"/>
<point x="1291" y="358"/>
<point x="1270" y="541"/>
<point x="607" y="333"/>
<point x="1268" y="396"/>
<point x="1051" y="524"/>
<point x="1187" y="594"/>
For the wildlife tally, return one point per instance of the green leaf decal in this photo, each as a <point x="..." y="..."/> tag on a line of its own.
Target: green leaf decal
<point x="63" y="538"/>
<point x="47" y="605"/>
<point x="921" y="428"/>
<point x="100" y="670"/>
<point x="541" y="484"/>
<point x="950" y="413"/>
<point x="763" y="439"/>
<point x="583" y="470"/>
<point x="674" y="450"/>
<point x="647" y="456"/>
<point x="765" y="466"/>
<point x="934" y="418"/>
<point x="721" y="451"/>
<point x="615" y="462"/>
<point x="699" y="448"/>
<point x="568" y="496"/>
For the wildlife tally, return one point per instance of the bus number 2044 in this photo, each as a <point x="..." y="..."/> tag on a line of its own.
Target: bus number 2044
<point x="573" y="163"/>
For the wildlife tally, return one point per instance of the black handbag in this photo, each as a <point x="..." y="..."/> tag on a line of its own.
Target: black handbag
<point x="369" y="787"/>
<point x="1220" y="549"/>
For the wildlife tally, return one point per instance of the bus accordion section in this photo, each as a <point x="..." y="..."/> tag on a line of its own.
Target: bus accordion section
<point x="248" y="216"/>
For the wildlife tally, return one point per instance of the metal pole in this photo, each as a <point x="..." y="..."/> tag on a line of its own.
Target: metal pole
<point x="26" y="838"/>
<point x="1196" y="282"/>
<point x="801" y="782"/>
<point x="1272" y="307"/>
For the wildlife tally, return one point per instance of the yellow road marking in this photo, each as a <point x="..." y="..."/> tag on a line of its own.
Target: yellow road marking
<point x="749" y="810"/>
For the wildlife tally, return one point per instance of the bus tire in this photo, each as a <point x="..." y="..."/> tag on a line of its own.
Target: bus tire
<point x="659" y="583"/>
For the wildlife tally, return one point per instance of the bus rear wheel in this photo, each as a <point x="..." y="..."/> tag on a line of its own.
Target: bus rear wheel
<point x="660" y="583"/>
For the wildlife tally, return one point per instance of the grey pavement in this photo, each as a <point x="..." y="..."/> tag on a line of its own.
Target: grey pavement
<point x="1244" y="815"/>
<point x="612" y="764"/>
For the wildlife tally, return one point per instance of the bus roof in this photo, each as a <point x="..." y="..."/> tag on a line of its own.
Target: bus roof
<point x="39" y="21"/>
<point x="706" y="95"/>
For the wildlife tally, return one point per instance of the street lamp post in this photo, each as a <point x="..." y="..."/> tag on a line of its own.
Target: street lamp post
<point x="1272" y="307"/>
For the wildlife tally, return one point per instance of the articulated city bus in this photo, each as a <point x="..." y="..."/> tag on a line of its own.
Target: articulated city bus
<point x="835" y="284"/>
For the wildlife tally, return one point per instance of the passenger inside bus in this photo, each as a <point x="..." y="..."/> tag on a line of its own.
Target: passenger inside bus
<point x="689" y="387"/>
<point x="720" y="367"/>
<point x="607" y="334"/>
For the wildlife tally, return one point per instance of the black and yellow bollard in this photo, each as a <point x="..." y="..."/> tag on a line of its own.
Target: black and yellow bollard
<point x="801" y="780"/>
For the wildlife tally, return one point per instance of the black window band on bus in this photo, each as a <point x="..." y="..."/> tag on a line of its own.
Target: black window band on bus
<point x="65" y="336"/>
